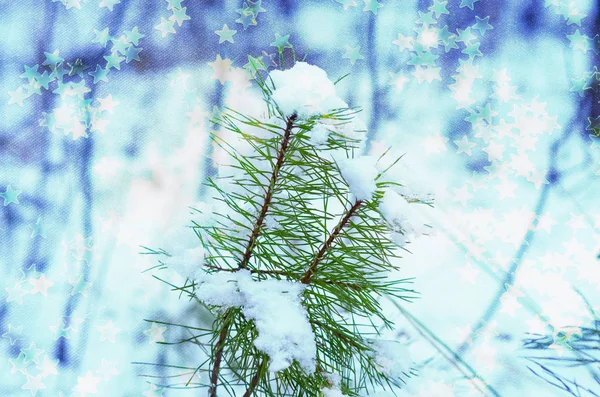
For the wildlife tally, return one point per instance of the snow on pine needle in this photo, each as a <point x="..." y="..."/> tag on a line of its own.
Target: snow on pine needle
<point x="284" y="332"/>
<point x="360" y="174"/>
<point x="293" y="249"/>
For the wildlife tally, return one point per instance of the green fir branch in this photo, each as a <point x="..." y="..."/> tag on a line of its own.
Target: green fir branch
<point x="287" y="214"/>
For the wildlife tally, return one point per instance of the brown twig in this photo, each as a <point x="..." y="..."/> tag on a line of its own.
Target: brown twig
<point x="292" y="276"/>
<point x="269" y="194"/>
<point x="253" y="271"/>
<point x="214" y="375"/>
<point x="310" y="272"/>
<point x="255" y="379"/>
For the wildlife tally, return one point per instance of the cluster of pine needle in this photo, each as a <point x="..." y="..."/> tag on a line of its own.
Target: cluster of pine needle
<point x="329" y="241"/>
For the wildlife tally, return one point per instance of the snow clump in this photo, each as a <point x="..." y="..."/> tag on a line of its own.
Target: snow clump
<point x="392" y="358"/>
<point x="305" y="90"/>
<point x="404" y="222"/>
<point x="360" y="173"/>
<point x="284" y="332"/>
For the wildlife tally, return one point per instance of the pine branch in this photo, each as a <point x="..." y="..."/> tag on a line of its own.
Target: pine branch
<point x="353" y="286"/>
<point x="306" y="279"/>
<point x="252" y="271"/>
<point x="214" y="377"/>
<point x="255" y="379"/>
<point x="214" y="373"/>
<point x="269" y="194"/>
<point x="270" y="240"/>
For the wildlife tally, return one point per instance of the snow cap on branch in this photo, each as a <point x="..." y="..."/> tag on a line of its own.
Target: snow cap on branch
<point x="319" y="135"/>
<point x="392" y="357"/>
<point x="334" y="388"/>
<point x="185" y="250"/>
<point x="356" y="129"/>
<point x="401" y="217"/>
<point x="360" y="173"/>
<point x="305" y="90"/>
<point x="284" y="332"/>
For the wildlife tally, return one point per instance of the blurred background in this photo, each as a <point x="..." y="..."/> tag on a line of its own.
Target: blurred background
<point x="104" y="109"/>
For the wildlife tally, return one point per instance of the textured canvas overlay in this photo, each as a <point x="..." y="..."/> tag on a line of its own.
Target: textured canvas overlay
<point x="144" y="233"/>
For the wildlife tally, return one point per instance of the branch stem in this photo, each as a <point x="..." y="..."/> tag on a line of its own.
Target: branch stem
<point x="255" y="379"/>
<point x="292" y="276"/>
<point x="269" y="193"/>
<point x="312" y="270"/>
<point x="214" y="374"/>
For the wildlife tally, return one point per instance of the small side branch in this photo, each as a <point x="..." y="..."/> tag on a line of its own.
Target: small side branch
<point x="311" y="271"/>
<point x="214" y="374"/>
<point x="255" y="379"/>
<point x="269" y="194"/>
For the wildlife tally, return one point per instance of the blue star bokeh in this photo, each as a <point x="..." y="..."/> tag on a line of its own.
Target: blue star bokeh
<point x="104" y="143"/>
